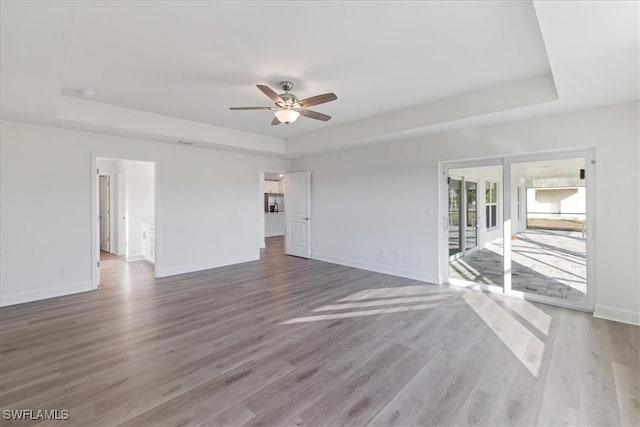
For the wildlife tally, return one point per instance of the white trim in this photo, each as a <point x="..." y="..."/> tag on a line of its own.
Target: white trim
<point x="617" y="314"/>
<point x="506" y="223"/>
<point x="40" y="294"/>
<point x="220" y="262"/>
<point x="544" y="299"/>
<point x="134" y="258"/>
<point x="378" y="268"/>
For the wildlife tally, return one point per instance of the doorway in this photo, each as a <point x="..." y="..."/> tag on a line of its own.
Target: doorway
<point x="463" y="221"/>
<point x="285" y="212"/>
<point x="272" y="209"/>
<point x="105" y="212"/>
<point x="533" y="234"/>
<point x="549" y="231"/>
<point x="125" y="234"/>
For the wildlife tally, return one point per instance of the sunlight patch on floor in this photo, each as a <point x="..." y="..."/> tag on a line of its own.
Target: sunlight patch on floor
<point x="528" y="348"/>
<point x="536" y="317"/>
<point x="359" y="313"/>
<point x="392" y="292"/>
<point x="386" y="301"/>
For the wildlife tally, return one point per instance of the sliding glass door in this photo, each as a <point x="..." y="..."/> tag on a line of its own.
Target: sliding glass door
<point x="521" y="225"/>
<point x="549" y="229"/>
<point x="471" y="215"/>
<point x="455" y="208"/>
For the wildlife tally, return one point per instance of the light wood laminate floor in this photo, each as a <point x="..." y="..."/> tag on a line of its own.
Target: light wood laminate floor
<point x="289" y="341"/>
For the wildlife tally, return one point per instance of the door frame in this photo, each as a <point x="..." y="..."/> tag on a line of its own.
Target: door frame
<point x="466" y="211"/>
<point x="94" y="240"/>
<point x="461" y="230"/>
<point x="109" y="208"/>
<point x="464" y="250"/>
<point x="506" y="161"/>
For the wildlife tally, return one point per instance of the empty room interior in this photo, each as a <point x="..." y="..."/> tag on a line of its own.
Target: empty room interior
<point x="308" y="213"/>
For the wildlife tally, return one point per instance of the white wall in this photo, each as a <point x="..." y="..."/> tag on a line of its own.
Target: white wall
<point x="140" y="202"/>
<point x="271" y="186"/>
<point x="385" y="197"/>
<point x="572" y="202"/>
<point x="207" y="207"/>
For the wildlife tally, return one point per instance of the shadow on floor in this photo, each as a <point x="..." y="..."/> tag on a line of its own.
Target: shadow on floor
<point x="544" y="262"/>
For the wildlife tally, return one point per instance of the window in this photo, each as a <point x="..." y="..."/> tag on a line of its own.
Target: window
<point x="491" y="203"/>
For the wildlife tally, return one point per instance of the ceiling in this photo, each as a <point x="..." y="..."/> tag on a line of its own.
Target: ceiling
<point x="167" y="71"/>
<point x="560" y="168"/>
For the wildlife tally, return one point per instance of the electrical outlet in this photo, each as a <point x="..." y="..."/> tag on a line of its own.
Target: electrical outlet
<point x="398" y="255"/>
<point x="382" y="254"/>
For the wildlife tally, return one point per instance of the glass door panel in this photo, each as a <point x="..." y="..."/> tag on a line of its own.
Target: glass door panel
<point x="455" y="205"/>
<point x="475" y="232"/>
<point x="471" y="231"/>
<point x="548" y="243"/>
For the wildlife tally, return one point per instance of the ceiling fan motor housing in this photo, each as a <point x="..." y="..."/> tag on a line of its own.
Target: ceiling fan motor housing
<point x="287" y="106"/>
<point x="289" y="99"/>
<point x="286" y="85"/>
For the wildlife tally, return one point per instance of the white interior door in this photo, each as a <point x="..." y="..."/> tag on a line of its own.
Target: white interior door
<point x="297" y="211"/>
<point x="104" y="213"/>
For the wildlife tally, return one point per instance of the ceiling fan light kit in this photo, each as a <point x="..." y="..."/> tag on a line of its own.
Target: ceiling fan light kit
<point x="287" y="106"/>
<point x="287" y="115"/>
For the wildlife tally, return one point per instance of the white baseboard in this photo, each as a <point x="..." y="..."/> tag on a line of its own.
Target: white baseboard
<point x="378" y="268"/>
<point x="39" y="294"/>
<point x="220" y="262"/>
<point x="133" y="258"/>
<point x="617" y="314"/>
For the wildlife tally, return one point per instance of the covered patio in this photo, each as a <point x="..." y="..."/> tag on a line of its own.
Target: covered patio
<point x="544" y="262"/>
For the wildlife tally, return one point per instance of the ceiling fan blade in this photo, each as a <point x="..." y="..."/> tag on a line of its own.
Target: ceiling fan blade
<point x="313" y="114"/>
<point x="275" y="121"/>
<point x="318" y="99"/>
<point x="252" y="108"/>
<point x="270" y="93"/>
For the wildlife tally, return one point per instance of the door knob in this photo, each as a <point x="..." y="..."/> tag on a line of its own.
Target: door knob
<point x="306" y="218"/>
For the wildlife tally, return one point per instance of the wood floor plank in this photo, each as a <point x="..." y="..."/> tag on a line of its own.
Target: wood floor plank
<point x="218" y="347"/>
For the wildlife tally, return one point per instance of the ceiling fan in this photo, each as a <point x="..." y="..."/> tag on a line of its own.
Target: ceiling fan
<point x="288" y="108"/>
